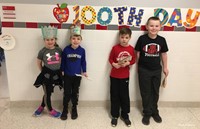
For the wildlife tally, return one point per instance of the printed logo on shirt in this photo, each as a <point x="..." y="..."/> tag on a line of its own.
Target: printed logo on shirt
<point x="73" y="57"/>
<point x="53" y="59"/>
<point x="151" y="50"/>
<point x="123" y="57"/>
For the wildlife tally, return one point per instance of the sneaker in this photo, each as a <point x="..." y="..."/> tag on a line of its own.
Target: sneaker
<point x="64" y="115"/>
<point x="157" y="118"/>
<point x="38" y="112"/>
<point x="55" y="113"/>
<point x="145" y="120"/>
<point x="127" y="122"/>
<point x="74" y="113"/>
<point x="114" y="122"/>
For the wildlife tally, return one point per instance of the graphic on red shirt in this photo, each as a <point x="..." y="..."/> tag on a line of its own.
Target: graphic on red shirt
<point x="124" y="57"/>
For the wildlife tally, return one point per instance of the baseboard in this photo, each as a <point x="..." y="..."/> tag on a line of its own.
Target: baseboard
<point x="58" y="103"/>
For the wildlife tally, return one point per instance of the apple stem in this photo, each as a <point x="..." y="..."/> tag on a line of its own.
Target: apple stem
<point x="58" y="5"/>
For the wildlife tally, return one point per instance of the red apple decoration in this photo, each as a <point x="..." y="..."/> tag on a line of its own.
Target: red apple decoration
<point x="61" y="13"/>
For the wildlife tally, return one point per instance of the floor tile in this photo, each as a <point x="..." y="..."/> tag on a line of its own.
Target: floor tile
<point x="195" y="112"/>
<point x="176" y="118"/>
<point x="20" y="117"/>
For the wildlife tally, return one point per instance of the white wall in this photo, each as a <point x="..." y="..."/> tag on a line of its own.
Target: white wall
<point x="183" y="81"/>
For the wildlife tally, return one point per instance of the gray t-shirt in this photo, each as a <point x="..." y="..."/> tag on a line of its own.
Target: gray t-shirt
<point x="50" y="57"/>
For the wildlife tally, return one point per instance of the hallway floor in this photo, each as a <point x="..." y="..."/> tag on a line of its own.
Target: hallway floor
<point x="4" y="92"/>
<point x="19" y="116"/>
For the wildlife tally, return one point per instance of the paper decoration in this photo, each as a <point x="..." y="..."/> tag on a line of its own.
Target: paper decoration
<point x="76" y="9"/>
<point x="7" y="41"/>
<point x="75" y="29"/>
<point x="99" y="18"/>
<point x="175" y="18"/>
<point x="8" y="12"/>
<point x="132" y="16"/>
<point x="192" y="22"/>
<point x="164" y="82"/>
<point x="159" y="11"/>
<point x="49" y="32"/>
<point x="80" y="75"/>
<point x="120" y="11"/>
<point x="61" y="13"/>
<point x="84" y="19"/>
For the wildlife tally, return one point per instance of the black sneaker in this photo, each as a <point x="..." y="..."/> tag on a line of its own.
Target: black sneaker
<point x="114" y="122"/>
<point x="74" y="114"/>
<point x="157" y="118"/>
<point x="145" y="120"/>
<point x="64" y="115"/>
<point x="127" y="122"/>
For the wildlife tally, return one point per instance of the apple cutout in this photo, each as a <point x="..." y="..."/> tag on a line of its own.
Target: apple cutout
<point x="61" y="13"/>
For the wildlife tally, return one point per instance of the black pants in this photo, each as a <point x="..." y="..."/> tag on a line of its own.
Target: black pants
<point x="71" y="90"/>
<point x="149" y="83"/>
<point x="46" y="101"/>
<point x="119" y="95"/>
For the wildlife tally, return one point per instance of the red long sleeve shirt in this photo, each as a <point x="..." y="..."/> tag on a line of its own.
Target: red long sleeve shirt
<point x="118" y="54"/>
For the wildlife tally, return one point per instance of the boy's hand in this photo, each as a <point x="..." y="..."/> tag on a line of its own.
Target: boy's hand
<point x="165" y="71"/>
<point x="125" y="64"/>
<point x="116" y="65"/>
<point x="85" y="74"/>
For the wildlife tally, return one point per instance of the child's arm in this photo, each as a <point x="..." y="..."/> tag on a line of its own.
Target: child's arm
<point x="164" y="63"/>
<point x="39" y="64"/>
<point x="137" y="56"/>
<point x="111" y="57"/>
<point x="127" y="63"/>
<point x="63" y="60"/>
<point x="84" y="64"/>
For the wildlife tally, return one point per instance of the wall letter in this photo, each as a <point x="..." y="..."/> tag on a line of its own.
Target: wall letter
<point x="99" y="18"/>
<point x="175" y="18"/>
<point x="85" y="20"/>
<point x="164" y="13"/>
<point x="137" y="17"/>
<point x="120" y="11"/>
<point x="191" y="22"/>
<point x="76" y="9"/>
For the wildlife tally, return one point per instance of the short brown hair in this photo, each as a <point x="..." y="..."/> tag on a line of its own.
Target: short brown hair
<point x="125" y="30"/>
<point x="76" y="36"/>
<point x="153" y="18"/>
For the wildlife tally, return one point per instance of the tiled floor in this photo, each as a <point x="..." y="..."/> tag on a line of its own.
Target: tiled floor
<point x="20" y="117"/>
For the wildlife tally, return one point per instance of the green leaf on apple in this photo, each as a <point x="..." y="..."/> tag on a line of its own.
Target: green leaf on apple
<point x="63" y="5"/>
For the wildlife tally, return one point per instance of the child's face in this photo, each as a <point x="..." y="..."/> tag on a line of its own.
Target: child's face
<point x="124" y="39"/>
<point x="153" y="27"/>
<point x="50" y="43"/>
<point x="75" y="41"/>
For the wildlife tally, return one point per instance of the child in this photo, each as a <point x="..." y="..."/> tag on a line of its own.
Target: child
<point x="50" y="57"/>
<point x="73" y="63"/>
<point x="150" y="49"/>
<point x="121" y="57"/>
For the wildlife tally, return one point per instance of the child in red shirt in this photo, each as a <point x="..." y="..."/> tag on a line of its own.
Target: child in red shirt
<point x="121" y="57"/>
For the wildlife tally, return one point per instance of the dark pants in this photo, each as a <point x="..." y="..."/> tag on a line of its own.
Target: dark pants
<point x="119" y="95"/>
<point x="71" y="90"/>
<point x="46" y="101"/>
<point x="149" y="83"/>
